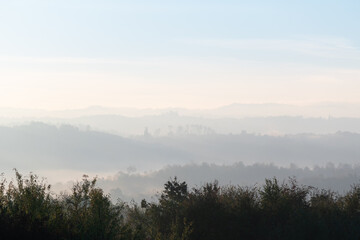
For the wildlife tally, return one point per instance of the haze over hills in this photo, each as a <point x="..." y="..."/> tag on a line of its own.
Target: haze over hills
<point x="125" y="185"/>
<point x="272" y="119"/>
<point x="43" y="146"/>
<point x="145" y="161"/>
<point x="172" y="123"/>
<point x="235" y="110"/>
<point x="143" y="143"/>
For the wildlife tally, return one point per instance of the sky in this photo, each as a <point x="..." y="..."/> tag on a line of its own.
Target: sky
<point x="64" y="54"/>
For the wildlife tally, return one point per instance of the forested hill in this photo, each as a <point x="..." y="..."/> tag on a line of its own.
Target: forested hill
<point x="42" y="146"/>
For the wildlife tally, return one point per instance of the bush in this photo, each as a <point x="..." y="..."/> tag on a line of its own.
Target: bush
<point x="288" y="210"/>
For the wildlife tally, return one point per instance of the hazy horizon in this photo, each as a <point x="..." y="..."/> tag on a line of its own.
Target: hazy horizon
<point x="152" y="89"/>
<point x="66" y="55"/>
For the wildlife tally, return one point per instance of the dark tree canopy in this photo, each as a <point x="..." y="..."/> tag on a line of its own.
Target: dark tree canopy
<point x="287" y="210"/>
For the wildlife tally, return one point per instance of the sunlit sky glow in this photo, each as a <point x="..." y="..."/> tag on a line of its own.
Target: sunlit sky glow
<point x="194" y="54"/>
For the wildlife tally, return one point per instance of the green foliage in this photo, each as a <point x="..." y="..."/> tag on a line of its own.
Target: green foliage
<point x="28" y="209"/>
<point x="90" y="213"/>
<point x="275" y="210"/>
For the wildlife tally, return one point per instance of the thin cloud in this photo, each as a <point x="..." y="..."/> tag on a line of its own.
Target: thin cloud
<point x="321" y="47"/>
<point x="72" y="60"/>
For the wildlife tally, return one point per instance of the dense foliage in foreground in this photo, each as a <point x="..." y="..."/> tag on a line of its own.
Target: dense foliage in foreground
<point x="28" y="210"/>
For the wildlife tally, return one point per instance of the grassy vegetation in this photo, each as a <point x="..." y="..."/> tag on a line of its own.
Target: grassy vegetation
<point x="28" y="210"/>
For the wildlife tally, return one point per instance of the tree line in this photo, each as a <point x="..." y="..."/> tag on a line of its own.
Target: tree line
<point x="274" y="210"/>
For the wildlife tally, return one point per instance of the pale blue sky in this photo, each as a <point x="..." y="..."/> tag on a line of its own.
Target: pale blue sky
<point x="70" y="54"/>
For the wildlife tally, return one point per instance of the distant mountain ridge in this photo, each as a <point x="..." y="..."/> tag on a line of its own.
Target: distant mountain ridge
<point x="273" y="119"/>
<point x="325" y="109"/>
